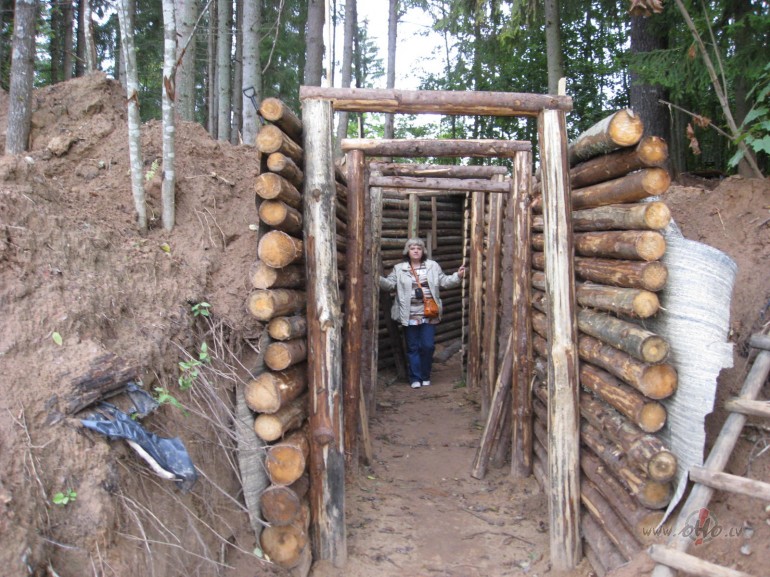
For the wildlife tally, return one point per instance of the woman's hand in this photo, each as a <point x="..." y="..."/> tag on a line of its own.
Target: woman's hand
<point x="461" y="271"/>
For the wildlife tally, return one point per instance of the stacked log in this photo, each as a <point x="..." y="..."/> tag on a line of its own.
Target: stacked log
<point x="278" y="395"/>
<point x="626" y="468"/>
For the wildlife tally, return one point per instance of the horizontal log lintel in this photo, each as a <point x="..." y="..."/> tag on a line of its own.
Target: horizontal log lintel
<point x="431" y="147"/>
<point x="460" y="184"/>
<point x="436" y="170"/>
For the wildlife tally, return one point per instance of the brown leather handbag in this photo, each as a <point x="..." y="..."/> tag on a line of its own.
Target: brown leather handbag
<point x="430" y="304"/>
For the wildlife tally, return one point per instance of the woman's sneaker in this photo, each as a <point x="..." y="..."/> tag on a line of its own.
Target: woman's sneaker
<point x="425" y="384"/>
<point x="416" y="385"/>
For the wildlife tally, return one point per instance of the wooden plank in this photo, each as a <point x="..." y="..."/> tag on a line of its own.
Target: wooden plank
<point x="563" y="383"/>
<point x="437" y="101"/>
<point x="521" y="325"/>
<point x="731" y="483"/>
<point x="425" y="147"/>
<point x="673" y="559"/>
<point x="426" y="183"/>
<point x="354" y="302"/>
<point x="327" y="460"/>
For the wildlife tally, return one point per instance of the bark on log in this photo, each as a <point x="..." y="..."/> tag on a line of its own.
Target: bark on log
<point x="731" y="483"/>
<point x="278" y="113"/>
<point x="439" y="185"/>
<point x="281" y="216"/>
<point x="284" y="544"/>
<point x="626" y="244"/>
<point x="278" y="249"/>
<point x="642" y="216"/>
<point x="106" y="376"/>
<point x="272" y="139"/>
<point x="286" y="167"/>
<point x="690" y="564"/>
<point x="283" y="354"/>
<point x="270" y="391"/>
<point x="650" y="276"/>
<point x="607" y="555"/>
<point x="749" y="407"/>
<point x="425" y="147"/>
<point x="282" y="505"/>
<point x="272" y="186"/>
<point x="597" y="506"/>
<point x="286" y="461"/>
<point x="287" y="328"/>
<point x="267" y="304"/>
<point x="436" y="102"/>
<point x="436" y="170"/>
<point x="635" y="303"/>
<point x="630" y="188"/>
<point x="628" y="337"/>
<point x="620" y="129"/>
<point x="649" y="416"/>
<point x="264" y="277"/>
<point x="271" y="427"/>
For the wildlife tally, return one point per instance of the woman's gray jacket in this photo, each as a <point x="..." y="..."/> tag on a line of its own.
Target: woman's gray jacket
<point x="401" y="278"/>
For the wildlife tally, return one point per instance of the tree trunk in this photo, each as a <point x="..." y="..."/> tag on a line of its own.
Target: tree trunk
<point x="236" y="126"/>
<point x="224" y="48"/>
<point x="641" y="216"/>
<point x="628" y="244"/>
<point x="22" y="76"/>
<point x="252" y="69"/>
<point x="211" y="76"/>
<point x="648" y="36"/>
<point x="169" y="120"/>
<point x="351" y="23"/>
<point x="314" y="43"/>
<point x="88" y="31"/>
<point x="126" y="20"/>
<point x="271" y="391"/>
<point x="184" y="86"/>
<point x="68" y="17"/>
<point x="390" y="81"/>
<point x="267" y="304"/>
<point x="620" y="129"/>
<point x="648" y="276"/>
<point x="652" y="151"/>
<point x="80" y="51"/>
<point x="555" y="63"/>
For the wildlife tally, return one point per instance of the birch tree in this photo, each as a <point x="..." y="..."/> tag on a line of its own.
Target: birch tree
<point x="252" y="69"/>
<point x="167" y="106"/>
<point x="126" y="22"/>
<point x="186" y="12"/>
<point x="224" y="46"/>
<point x="22" y="71"/>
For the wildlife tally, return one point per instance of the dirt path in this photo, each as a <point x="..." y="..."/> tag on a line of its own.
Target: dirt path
<point x="418" y="511"/>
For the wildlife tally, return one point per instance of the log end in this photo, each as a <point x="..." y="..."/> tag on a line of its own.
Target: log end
<point x="654" y="276"/>
<point x="268" y="428"/>
<point x="662" y="467"/>
<point x="271" y="109"/>
<point x="262" y="276"/>
<point x="654" y="349"/>
<point x="279" y="328"/>
<point x="652" y="417"/>
<point x="626" y="128"/>
<point x="277" y="162"/>
<point x="651" y="245"/>
<point x="644" y="530"/>
<point x="646" y="304"/>
<point x="278" y="357"/>
<point x="284" y="545"/>
<point x="269" y="139"/>
<point x="653" y="151"/>
<point x="655" y="495"/>
<point x="261" y="396"/>
<point x="657" y="216"/>
<point x="285" y="463"/>
<point x="268" y="185"/>
<point x="659" y="381"/>
<point x="272" y="212"/>
<point x="656" y="181"/>
<point x="260" y="304"/>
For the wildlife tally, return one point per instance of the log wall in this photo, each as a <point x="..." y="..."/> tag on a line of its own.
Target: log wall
<point x="626" y="469"/>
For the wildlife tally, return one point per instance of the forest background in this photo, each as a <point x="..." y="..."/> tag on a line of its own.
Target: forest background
<point x="232" y="53"/>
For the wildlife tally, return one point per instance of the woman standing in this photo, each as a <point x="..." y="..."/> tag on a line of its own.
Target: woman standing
<point x="417" y="305"/>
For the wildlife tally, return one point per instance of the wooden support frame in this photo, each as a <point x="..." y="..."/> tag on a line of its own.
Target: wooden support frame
<point x="475" y="288"/>
<point x="563" y="381"/>
<point x="436" y="170"/>
<point x="461" y="184"/>
<point x="423" y="147"/>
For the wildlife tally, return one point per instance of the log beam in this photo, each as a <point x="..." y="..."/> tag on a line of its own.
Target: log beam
<point x="440" y="184"/>
<point x="436" y="170"/>
<point x="424" y="147"/>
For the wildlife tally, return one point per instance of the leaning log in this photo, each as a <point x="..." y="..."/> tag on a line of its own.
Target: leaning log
<point x="650" y="276"/>
<point x="635" y="303"/>
<point x="267" y="304"/>
<point x="601" y="552"/>
<point x="278" y="113"/>
<point x="281" y="216"/>
<point x="286" y="461"/>
<point x="650" y="494"/>
<point x="642" y="449"/>
<point x="648" y="415"/>
<point x="651" y="151"/>
<point x="282" y="505"/>
<point x="287" y="328"/>
<point x="270" y="391"/>
<point x="272" y="139"/>
<point x="620" y="129"/>
<point x="626" y="336"/>
<point x="608" y="519"/>
<point x="281" y="355"/>
<point x="264" y="277"/>
<point x="655" y="381"/>
<point x="286" y="167"/>
<point x="278" y="249"/>
<point x="622" y="244"/>
<point x="284" y="545"/>
<point x="640" y="216"/>
<point x="271" y="427"/>
<point x="272" y="186"/>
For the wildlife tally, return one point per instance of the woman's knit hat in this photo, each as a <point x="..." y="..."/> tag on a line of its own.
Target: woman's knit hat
<point x="412" y="242"/>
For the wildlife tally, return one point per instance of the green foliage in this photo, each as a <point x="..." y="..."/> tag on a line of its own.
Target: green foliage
<point x="201" y="309"/>
<point x="163" y="397"/>
<point x="755" y="128"/>
<point x="190" y="369"/>
<point x="153" y="170"/>
<point x="57" y="338"/>
<point x="64" y="498"/>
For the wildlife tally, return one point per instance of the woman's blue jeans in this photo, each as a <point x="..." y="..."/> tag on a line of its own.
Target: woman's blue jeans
<point x="420" y="345"/>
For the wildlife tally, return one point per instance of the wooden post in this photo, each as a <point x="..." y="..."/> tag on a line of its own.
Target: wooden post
<point x="354" y="302"/>
<point x="491" y="307"/>
<point x="414" y="216"/>
<point x="563" y="412"/>
<point x="327" y="461"/>
<point x="521" y="452"/>
<point x="475" y="329"/>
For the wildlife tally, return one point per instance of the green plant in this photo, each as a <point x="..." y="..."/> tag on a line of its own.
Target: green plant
<point x="201" y="309"/>
<point x="191" y="368"/>
<point x="153" y="169"/>
<point x="65" y="497"/>
<point x="755" y="128"/>
<point x="57" y="338"/>
<point x="165" y="398"/>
